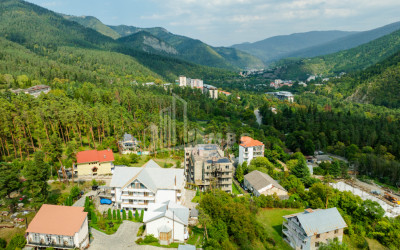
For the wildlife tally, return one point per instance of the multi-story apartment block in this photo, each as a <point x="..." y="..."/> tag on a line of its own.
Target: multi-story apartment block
<point x="249" y="149"/>
<point x="183" y="81"/>
<point x="206" y="167"/>
<point x="93" y="163"/>
<point x="136" y="188"/>
<point x="211" y="91"/>
<point x="58" y="227"/>
<point x="196" y="83"/>
<point x="308" y="229"/>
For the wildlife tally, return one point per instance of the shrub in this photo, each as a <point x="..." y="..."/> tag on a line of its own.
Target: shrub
<point x="136" y="215"/>
<point x="18" y="241"/>
<point x="130" y="215"/>
<point x="94" y="217"/>
<point x="141" y="230"/>
<point x="149" y="239"/>
<point x="138" y="241"/>
<point x="109" y="216"/>
<point x="3" y="243"/>
<point x="124" y="214"/>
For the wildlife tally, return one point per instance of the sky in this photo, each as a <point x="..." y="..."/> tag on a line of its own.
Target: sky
<point x="227" y="22"/>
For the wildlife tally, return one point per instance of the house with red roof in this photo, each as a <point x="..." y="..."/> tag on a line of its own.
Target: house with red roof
<point x="249" y="149"/>
<point x="94" y="162"/>
<point x="58" y="227"/>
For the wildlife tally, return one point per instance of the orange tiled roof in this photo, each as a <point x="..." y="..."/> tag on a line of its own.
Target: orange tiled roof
<point x="58" y="220"/>
<point x="246" y="141"/>
<point x="94" y="156"/>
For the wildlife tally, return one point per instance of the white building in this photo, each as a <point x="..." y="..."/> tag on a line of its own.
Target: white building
<point x="60" y="227"/>
<point x="249" y="149"/>
<point x="167" y="221"/>
<point x="211" y="91"/>
<point x="183" y="81"/>
<point x="137" y="188"/>
<point x="196" y="83"/>
<point x="283" y="95"/>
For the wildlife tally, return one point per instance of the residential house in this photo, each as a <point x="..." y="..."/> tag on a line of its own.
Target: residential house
<point x="308" y="229"/>
<point x="167" y="221"/>
<point x="260" y="183"/>
<point x="129" y="144"/>
<point x="34" y="91"/>
<point x="211" y="91"/>
<point x="137" y="188"/>
<point x="207" y="167"/>
<point x="59" y="227"/>
<point x="93" y="163"/>
<point x="249" y="149"/>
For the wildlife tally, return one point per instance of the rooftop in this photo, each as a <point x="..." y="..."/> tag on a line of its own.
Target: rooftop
<point x="260" y="180"/>
<point x="167" y="209"/>
<point x="94" y="156"/>
<point x="58" y="220"/>
<point x="246" y="141"/>
<point x="319" y="221"/>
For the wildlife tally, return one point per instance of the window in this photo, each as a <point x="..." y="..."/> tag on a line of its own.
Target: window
<point x="316" y="244"/>
<point x="318" y="236"/>
<point x="336" y="231"/>
<point x="227" y="167"/>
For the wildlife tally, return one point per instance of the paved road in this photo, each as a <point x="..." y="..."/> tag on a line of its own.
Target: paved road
<point x="124" y="238"/>
<point x="81" y="201"/>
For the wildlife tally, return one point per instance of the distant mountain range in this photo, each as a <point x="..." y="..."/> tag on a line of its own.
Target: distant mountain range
<point x="311" y="44"/>
<point x="160" y="41"/>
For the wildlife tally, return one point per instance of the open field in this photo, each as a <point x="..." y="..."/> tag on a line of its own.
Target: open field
<point x="271" y="219"/>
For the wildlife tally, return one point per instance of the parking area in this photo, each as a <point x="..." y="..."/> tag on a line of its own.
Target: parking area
<point x="124" y="238"/>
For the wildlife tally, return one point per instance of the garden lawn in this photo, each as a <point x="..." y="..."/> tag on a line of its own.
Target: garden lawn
<point x="235" y="189"/>
<point x="271" y="219"/>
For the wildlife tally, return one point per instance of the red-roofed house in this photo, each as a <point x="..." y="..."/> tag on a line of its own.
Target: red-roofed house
<point x="59" y="227"/>
<point x="93" y="162"/>
<point x="249" y="149"/>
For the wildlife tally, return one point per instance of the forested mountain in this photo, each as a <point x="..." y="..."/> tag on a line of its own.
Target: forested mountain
<point x="183" y="47"/>
<point x="94" y="23"/>
<point x="346" y="42"/>
<point x="58" y="48"/>
<point x="350" y="60"/>
<point x="277" y="47"/>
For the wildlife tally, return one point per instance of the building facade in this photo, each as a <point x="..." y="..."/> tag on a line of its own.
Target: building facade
<point x="34" y="91"/>
<point x="59" y="227"/>
<point x="260" y="183"/>
<point x="283" y="95"/>
<point x="206" y="167"/>
<point x="137" y="188"/>
<point x="94" y="163"/>
<point x="250" y="149"/>
<point x="167" y="221"/>
<point x="129" y="144"/>
<point x="308" y="229"/>
<point x="211" y="91"/>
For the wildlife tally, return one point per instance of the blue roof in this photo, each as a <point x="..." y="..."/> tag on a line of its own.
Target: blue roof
<point x="321" y="221"/>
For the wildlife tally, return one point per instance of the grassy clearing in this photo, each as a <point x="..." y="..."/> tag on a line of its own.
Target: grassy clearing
<point x="271" y="219"/>
<point x="235" y="189"/>
<point x="196" y="237"/>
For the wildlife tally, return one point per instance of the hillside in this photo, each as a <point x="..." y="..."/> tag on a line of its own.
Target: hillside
<point x="350" y="60"/>
<point x="346" y="42"/>
<point x="145" y="41"/>
<point x="56" y="47"/>
<point x="277" y="47"/>
<point x="94" y="23"/>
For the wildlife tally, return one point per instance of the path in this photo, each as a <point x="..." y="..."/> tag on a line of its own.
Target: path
<point x="285" y="168"/>
<point x="81" y="201"/>
<point x="124" y="238"/>
<point x="238" y="186"/>
<point x="258" y="116"/>
<point x="189" y="195"/>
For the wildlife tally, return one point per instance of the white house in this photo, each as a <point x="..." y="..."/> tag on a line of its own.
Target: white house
<point x="60" y="227"/>
<point x="167" y="221"/>
<point x="128" y="144"/>
<point x="137" y="188"/>
<point x="249" y="149"/>
<point x="260" y="183"/>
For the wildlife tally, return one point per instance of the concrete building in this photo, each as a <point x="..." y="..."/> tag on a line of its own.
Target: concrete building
<point x="137" y="188"/>
<point x="196" y="83"/>
<point x="211" y="91"/>
<point x="93" y="163"/>
<point x="283" y="95"/>
<point x="183" y="81"/>
<point x="59" y="227"/>
<point x="167" y="221"/>
<point x="206" y="167"/>
<point x="260" y="183"/>
<point x="308" y="229"/>
<point x="34" y="91"/>
<point x="249" y="149"/>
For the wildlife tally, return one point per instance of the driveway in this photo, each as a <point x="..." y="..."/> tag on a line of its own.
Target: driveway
<point x="124" y="238"/>
<point x="81" y="201"/>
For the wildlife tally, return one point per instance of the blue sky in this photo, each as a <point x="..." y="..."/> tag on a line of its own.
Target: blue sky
<point x="227" y="22"/>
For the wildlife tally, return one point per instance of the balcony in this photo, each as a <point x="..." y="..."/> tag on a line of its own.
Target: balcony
<point x="52" y="244"/>
<point x="292" y="232"/>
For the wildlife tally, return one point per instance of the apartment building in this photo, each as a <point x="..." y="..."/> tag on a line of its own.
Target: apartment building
<point x="93" y="163"/>
<point x="137" y="188"/>
<point x="58" y="227"/>
<point x="211" y="91"/>
<point x="250" y="149"/>
<point x="206" y="167"/>
<point x="308" y="229"/>
<point x="283" y="95"/>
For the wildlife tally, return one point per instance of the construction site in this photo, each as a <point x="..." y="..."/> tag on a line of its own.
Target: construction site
<point x="389" y="202"/>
